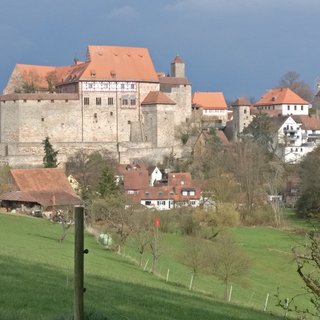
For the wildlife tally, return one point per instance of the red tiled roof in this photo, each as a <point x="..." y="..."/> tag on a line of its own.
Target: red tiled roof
<point x="43" y="186"/>
<point x="41" y="180"/>
<point x="157" y="97"/>
<point x="241" y="101"/>
<point x="135" y="177"/>
<point x="174" y="81"/>
<point x="119" y="63"/>
<point x="280" y="96"/>
<point x="178" y="179"/>
<point x="308" y="122"/>
<point x="209" y="100"/>
<point x="177" y="59"/>
<point x="222" y="137"/>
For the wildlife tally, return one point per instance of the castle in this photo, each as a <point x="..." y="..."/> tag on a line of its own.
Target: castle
<point x="114" y="101"/>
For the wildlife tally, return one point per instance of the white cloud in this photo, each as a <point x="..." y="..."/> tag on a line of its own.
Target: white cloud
<point x="127" y="12"/>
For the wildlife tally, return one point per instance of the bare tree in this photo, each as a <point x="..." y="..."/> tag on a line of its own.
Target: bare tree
<point x="226" y="261"/>
<point x="307" y="258"/>
<point x="142" y="233"/>
<point x="194" y="257"/>
<point x="292" y="80"/>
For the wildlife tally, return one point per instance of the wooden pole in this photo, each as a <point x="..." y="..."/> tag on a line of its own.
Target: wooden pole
<point x="78" y="262"/>
<point x="266" y="303"/>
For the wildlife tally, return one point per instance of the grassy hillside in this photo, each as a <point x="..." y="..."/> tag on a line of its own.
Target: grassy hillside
<point x="36" y="277"/>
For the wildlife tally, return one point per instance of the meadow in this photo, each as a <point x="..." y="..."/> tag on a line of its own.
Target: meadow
<point x="36" y="277"/>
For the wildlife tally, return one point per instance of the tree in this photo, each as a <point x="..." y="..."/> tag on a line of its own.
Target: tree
<point x="248" y="162"/>
<point x="50" y="157"/>
<point x="307" y="258"/>
<point x="141" y="235"/>
<point x="261" y="130"/>
<point x="88" y="169"/>
<point x="226" y="261"/>
<point x="116" y="214"/>
<point x="308" y="203"/>
<point x="107" y="184"/>
<point x="292" y="80"/>
<point x="193" y="257"/>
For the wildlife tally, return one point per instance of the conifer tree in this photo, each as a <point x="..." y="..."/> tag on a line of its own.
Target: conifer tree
<point x="50" y="155"/>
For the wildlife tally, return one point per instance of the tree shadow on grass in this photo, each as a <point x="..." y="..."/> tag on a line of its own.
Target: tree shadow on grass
<point x="33" y="291"/>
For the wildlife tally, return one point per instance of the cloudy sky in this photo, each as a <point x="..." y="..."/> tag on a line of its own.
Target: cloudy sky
<point x="240" y="47"/>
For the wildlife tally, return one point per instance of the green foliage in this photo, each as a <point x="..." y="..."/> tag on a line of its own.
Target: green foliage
<point x="93" y="172"/>
<point x="107" y="185"/>
<point x="261" y="130"/>
<point x="50" y="155"/>
<point x="308" y="203"/>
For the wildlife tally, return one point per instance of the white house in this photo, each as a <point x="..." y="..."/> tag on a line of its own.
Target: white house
<point x="156" y="175"/>
<point x="296" y="136"/>
<point x="283" y="101"/>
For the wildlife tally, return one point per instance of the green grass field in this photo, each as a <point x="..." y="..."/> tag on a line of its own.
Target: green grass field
<point x="36" y="277"/>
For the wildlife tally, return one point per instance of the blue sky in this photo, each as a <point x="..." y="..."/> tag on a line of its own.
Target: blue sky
<point x="240" y="47"/>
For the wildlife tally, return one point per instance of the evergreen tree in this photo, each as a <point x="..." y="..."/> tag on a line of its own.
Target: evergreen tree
<point x="50" y="155"/>
<point x="107" y="184"/>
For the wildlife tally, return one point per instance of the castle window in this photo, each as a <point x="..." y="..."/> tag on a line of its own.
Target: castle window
<point x="52" y="101"/>
<point x="98" y="101"/>
<point x="122" y="86"/>
<point x="39" y="100"/>
<point x="295" y="107"/>
<point x="86" y="100"/>
<point x="111" y="113"/>
<point x="129" y="122"/>
<point x="244" y="111"/>
<point x="95" y="115"/>
<point x="110" y="101"/>
<point x="133" y="102"/>
<point x="66" y="100"/>
<point x="24" y="100"/>
<point x="124" y="102"/>
<point x="132" y="86"/>
<point x="42" y="119"/>
<point x="301" y="108"/>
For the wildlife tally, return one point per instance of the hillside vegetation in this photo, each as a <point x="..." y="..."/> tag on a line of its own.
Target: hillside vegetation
<point x="37" y="277"/>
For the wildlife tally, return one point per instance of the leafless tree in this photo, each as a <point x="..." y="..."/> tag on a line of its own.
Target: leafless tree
<point x="227" y="261"/>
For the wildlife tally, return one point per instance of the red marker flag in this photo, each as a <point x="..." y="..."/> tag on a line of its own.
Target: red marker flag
<point x="157" y="222"/>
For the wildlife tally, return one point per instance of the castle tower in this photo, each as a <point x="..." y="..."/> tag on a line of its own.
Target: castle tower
<point x="241" y="116"/>
<point x="178" y="68"/>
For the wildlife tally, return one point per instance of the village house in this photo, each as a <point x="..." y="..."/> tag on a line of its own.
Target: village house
<point x="210" y="107"/>
<point x="296" y="133"/>
<point x="179" y="190"/>
<point x="41" y="189"/>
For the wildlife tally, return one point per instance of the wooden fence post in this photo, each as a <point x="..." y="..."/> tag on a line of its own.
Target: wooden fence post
<point x="78" y="262"/>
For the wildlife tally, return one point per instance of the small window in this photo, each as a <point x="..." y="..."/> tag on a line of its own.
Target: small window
<point x="95" y="115"/>
<point x="301" y="108"/>
<point x="124" y="102"/>
<point x="122" y="86"/>
<point x="110" y="101"/>
<point x="295" y="107"/>
<point x="288" y="107"/>
<point x="129" y="122"/>
<point x="86" y="101"/>
<point x="24" y="100"/>
<point x="111" y="113"/>
<point x="66" y="100"/>
<point x="148" y="203"/>
<point x="245" y="111"/>
<point x="132" y="86"/>
<point x="98" y="101"/>
<point x="42" y="119"/>
<point x="52" y="101"/>
<point x="39" y="100"/>
<point x="133" y="102"/>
